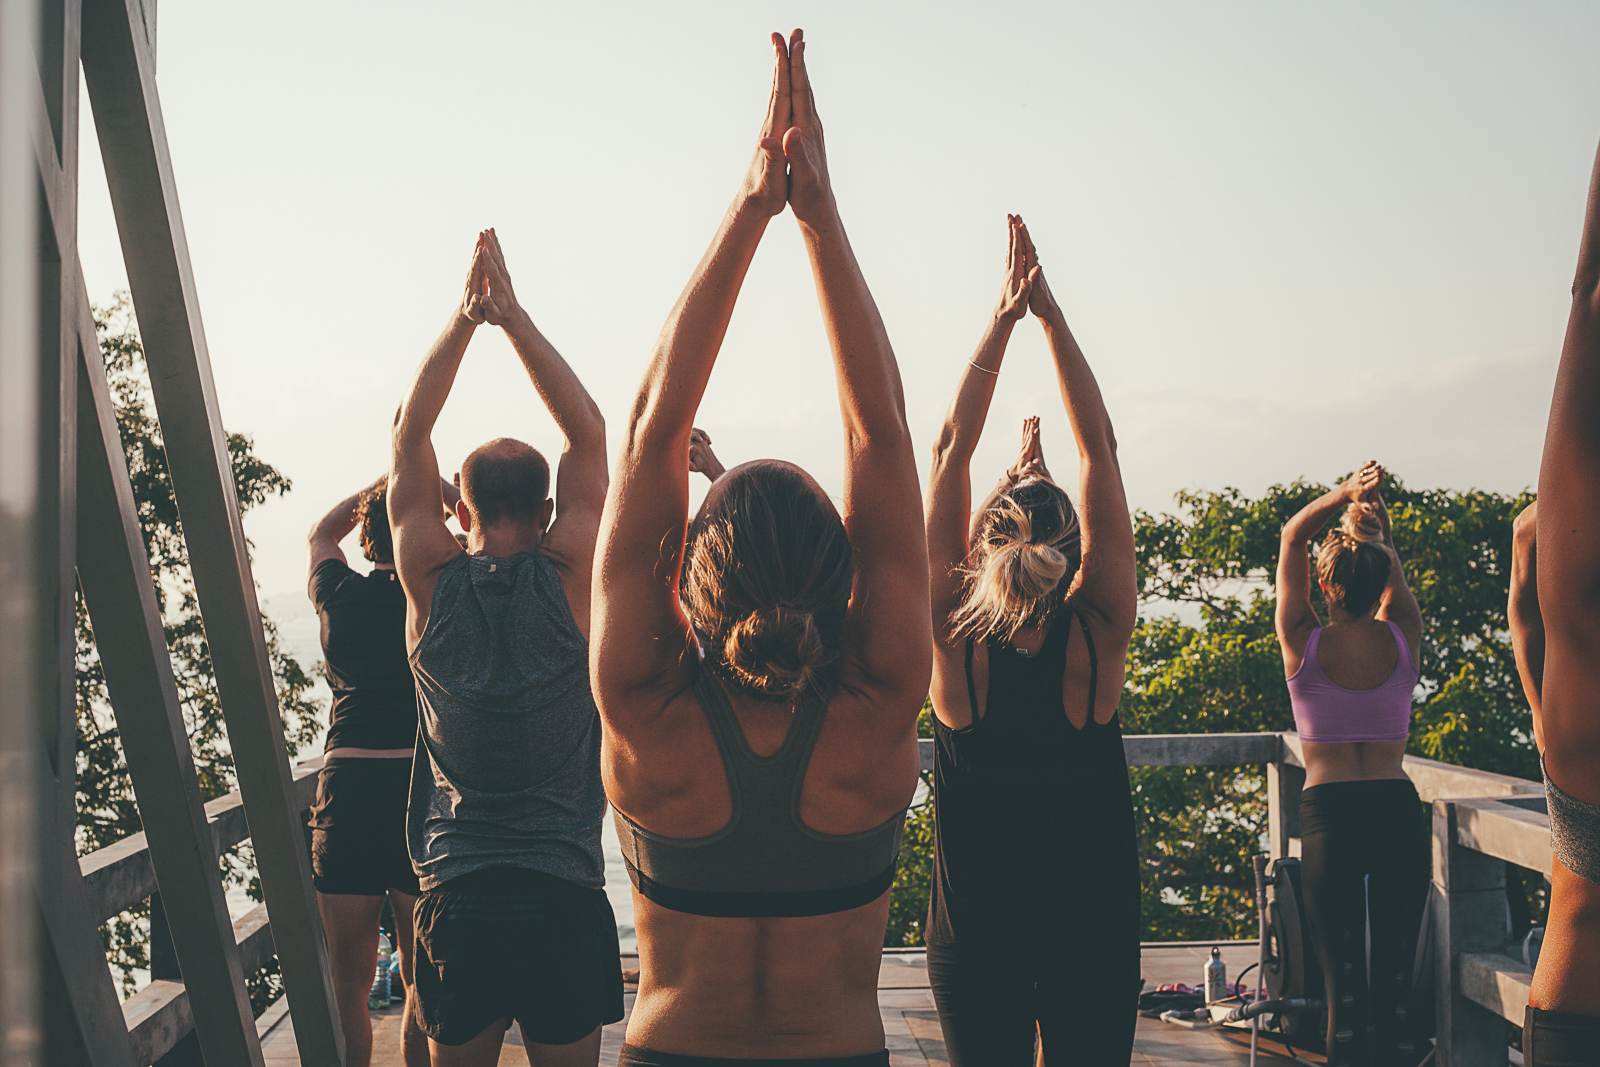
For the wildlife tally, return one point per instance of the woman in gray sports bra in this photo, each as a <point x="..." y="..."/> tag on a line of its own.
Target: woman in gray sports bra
<point x="759" y="671"/>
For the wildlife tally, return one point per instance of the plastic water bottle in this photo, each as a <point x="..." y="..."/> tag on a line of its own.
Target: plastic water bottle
<point x="378" y="999"/>
<point x="1216" y="977"/>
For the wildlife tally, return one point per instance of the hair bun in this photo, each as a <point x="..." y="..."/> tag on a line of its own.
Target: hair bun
<point x="778" y="652"/>
<point x="1360" y="524"/>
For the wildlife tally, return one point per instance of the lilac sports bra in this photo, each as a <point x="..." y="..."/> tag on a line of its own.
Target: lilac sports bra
<point x="1327" y="713"/>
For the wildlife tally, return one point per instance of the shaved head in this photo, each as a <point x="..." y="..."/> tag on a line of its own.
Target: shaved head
<point x="505" y="480"/>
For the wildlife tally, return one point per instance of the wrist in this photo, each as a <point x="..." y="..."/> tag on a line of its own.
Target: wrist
<point x="822" y="224"/>
<point x="1052" y="319"/>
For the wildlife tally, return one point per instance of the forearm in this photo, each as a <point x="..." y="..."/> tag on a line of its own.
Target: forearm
<point x="964" y="422"/>
<point x="687" y="349"/>
<point x="870" y="394"/>
<point x="340" y="520"/>
<point x="570" y="405"/>
<point x="1309" y="520"/>
<point x="430" y="386"/>
<point x="1080" y="392"/>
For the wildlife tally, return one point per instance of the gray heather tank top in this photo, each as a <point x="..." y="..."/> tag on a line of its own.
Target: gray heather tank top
<point x="765" y="862"/>
<point x="507" y="772"/>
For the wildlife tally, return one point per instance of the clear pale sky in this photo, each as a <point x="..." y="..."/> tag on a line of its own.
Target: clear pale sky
<point x="1290" y="237"/>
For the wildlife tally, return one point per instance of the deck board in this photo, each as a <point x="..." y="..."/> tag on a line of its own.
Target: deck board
<point x="910" y="1024"/>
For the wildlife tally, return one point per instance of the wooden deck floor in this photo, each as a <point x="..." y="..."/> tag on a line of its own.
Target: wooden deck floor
<point x="909" y="1021"/>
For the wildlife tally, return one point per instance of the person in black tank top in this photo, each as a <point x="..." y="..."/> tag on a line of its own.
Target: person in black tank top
<point x="358" y="820"/>
<point x="1033" y="919"/>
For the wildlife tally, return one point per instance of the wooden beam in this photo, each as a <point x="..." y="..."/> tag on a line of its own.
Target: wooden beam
<point x="1515" y="829"/>
<point x="120" y="875"/>
<point x="114" y="574"/>
<point x="23" y="619"/>
<point x="119" y="72"/>
<point x="1496" y="982"/>
<point x="161" y="1014"/>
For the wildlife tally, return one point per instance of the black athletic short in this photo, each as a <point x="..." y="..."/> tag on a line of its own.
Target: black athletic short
<point x="358" y="828"/>
<point x="505" y="943"/>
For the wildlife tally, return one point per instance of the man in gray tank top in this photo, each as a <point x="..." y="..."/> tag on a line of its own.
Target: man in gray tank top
<point x="503" y="824"/>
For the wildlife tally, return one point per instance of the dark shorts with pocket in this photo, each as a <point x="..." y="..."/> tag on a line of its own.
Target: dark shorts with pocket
<point x="507" y="943"/>
<point x="358" y="828"/>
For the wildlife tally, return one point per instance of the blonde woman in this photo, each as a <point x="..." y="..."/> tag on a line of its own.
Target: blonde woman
<point x="1364" y="834"/>
<point x="1035" y="860"/>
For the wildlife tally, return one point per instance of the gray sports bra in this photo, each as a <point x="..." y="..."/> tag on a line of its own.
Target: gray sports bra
<point x="765" y="862"/>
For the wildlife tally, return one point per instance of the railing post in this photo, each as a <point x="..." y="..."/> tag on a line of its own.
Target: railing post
<point x="1470" y="915"/>
<point x="1284" y="783"/>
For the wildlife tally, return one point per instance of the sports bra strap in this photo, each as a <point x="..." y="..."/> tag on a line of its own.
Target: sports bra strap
<point x="1094" y="665"/>
<point x="972" y="690"/>
<point x="798" y="742"/>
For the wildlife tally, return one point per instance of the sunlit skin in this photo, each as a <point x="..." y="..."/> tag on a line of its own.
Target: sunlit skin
<point x="1356" y="651"/>
<point x="1103" y="592"/>
<point x="1567" y="715"/>
<point x="424" y="545"/>
<point x="776" y="987"/>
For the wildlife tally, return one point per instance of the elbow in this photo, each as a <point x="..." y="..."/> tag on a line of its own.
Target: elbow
<point x="1108" y="441"/>
<point x="590" y="431"/>
<point x="949" y="451"/>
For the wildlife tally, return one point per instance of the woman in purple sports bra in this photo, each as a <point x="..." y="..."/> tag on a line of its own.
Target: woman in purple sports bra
<point x="1364" y="837"/>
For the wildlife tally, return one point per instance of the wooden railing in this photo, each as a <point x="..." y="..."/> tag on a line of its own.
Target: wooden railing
<point x="1481" y="822"/>
<point x="121" y="875"/>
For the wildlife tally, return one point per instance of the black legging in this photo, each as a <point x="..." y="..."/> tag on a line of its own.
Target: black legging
<point x="1365" y="859"/>
<point x="989" y="1002"/>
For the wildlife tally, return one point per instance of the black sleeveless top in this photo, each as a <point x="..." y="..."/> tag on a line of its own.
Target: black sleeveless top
<point x="766" y="861"/>
<point x="1034" y="817"/>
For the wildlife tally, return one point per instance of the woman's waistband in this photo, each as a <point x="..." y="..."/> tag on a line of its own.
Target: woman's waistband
<point x="1369" y="803"/>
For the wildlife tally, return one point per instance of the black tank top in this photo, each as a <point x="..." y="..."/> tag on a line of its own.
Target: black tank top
<point x="1033" y="815"/>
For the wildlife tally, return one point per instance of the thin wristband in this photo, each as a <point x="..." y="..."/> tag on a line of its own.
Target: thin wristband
<point x="985" y="370"/>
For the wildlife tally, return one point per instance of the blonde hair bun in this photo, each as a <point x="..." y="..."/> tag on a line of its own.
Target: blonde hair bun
<point x="778" y="652"/>
<point x="1361" y="524"/>
<point x="1027" y="547"/>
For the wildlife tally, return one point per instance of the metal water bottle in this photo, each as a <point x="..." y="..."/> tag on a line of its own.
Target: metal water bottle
<point x="378" y="998"/>
<point x="1216" y="977"/>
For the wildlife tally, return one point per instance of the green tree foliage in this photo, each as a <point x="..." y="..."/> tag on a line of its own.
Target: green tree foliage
<point x="1205" y="659"/>
<point x="908" y="901"/>
<point x="106" y="808"/>
<point x="1213" y="665"/>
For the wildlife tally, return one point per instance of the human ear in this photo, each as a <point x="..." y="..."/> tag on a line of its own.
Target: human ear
<point x="463" y="516"/>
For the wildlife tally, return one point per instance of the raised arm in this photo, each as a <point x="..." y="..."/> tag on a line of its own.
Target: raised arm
<point x="1569" y="550"/>
<point x="640" y="642"/>
<point x="1296" y="618"/>
<point x="423" y="543"/>
<point x="886" y="645"/>
<point x="950" y="476"/>
<point x="341" y="520"/>
<point x="1398" y="604"/>
<point x="581" y="478"/>
<point x="336" y="525"/>
<point x="1522" y="611"/>
<point x="1106" y="581"/>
